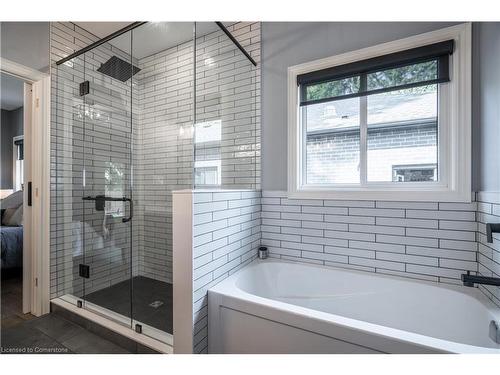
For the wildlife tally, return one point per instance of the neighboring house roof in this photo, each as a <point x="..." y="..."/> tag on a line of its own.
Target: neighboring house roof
<point x="392" y="107"/>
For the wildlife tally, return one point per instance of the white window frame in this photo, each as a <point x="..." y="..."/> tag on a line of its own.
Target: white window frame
<point x="15" y="173"/>
<point x="208" y="164"/>
<point x="454" y="159"/>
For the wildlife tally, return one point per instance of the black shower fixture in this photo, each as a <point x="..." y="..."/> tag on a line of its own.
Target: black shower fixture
<point x="118" y="69"/>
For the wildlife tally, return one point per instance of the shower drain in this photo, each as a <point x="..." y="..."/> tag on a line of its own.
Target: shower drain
<point x="156" y="304"/>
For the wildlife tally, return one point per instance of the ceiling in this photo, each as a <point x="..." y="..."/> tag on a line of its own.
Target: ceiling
<point x="11" y="92"/>
<point x="102" y="29"/>
<point x="151" y="38"/>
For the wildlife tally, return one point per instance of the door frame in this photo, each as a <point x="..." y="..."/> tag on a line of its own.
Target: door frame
<point x="36" y="236"/>
<point x="27" y="210"/>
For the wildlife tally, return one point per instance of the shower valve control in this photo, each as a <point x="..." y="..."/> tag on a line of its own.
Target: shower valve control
<point x="84" y="88"/>
<point x="84" y="271"/>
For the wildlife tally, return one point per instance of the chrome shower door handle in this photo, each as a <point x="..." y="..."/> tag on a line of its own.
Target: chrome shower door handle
<point x="127" y="219"/>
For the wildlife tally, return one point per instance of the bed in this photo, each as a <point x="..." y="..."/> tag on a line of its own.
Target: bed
<point x="11" y="247"/>
<point x="11" y="231"/>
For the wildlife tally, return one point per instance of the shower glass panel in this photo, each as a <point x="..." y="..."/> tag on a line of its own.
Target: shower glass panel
<point x="107" y="178"/>
<point x="69" y="129"/>
<point x="127" y="144"/>
<point x="226" y="131"/>
<point x="162" y="161"/>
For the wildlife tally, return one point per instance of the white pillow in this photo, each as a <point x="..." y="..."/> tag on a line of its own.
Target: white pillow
<point x="14" y="219"/>
<point x="12" y="201"/>
<point x="8" y="213"/>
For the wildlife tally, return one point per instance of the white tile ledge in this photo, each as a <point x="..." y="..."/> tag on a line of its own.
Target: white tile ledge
<point x="116" y="327"/>
<point x="489" y="196"/>
<point x="196" y="191"/>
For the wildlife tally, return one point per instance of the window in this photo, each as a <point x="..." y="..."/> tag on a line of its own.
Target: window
<point x="18" y="166"/>
<point x="207" y="165"/>
<point x="402" y="128"/>
<point x="114" y="186"/>
<point x="419" y="172"/>
<point x="206" y="176"/>
<point x="387" y="122"/>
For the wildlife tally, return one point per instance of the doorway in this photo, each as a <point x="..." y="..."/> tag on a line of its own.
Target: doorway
<point x="24" y="199"/>
<point x="15" y="239"/>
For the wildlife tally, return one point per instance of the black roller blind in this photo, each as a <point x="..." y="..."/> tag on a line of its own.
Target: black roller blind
<point x="404" y="69"/>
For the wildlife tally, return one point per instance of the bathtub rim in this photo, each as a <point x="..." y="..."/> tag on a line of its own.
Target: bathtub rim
<point x="474" y="292"/>
<point x="228" y="294"/>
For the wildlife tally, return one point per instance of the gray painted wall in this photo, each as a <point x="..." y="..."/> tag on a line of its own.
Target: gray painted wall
<point x="26" y="43"/>
<point x="291" y="43"/>
<point x="486" y="106"/>
<point x="11" y="126"/>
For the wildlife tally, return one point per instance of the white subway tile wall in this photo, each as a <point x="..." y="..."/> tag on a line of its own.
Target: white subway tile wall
<point x="164" y="158"/>
<point x="488" y="256"/>
<point x="226" y="237"/>
<point x="228" y="92"/>
<point x="428" y="240"/>
<point x="227" y="89"/>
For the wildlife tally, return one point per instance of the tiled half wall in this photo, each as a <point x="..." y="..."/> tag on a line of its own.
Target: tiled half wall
<point x="215" y="234"/>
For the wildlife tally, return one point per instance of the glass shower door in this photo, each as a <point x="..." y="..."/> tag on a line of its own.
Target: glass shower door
<point x="126" y="120"/>
<point x="69" y="126"/>
<point x="162" y="163"/>
<point x="107" y="179"/>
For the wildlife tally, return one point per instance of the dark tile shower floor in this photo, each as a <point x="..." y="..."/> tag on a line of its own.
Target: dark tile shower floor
<point x="145" y="292"/>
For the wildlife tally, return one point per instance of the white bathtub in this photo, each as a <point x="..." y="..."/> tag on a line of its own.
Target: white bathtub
<point x="275" y="306"/>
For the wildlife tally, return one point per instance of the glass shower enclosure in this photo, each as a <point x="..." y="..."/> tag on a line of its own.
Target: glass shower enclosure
<point x="162" y="107"/>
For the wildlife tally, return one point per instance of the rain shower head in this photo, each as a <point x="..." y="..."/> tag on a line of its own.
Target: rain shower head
<point x="118" y="69"/>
